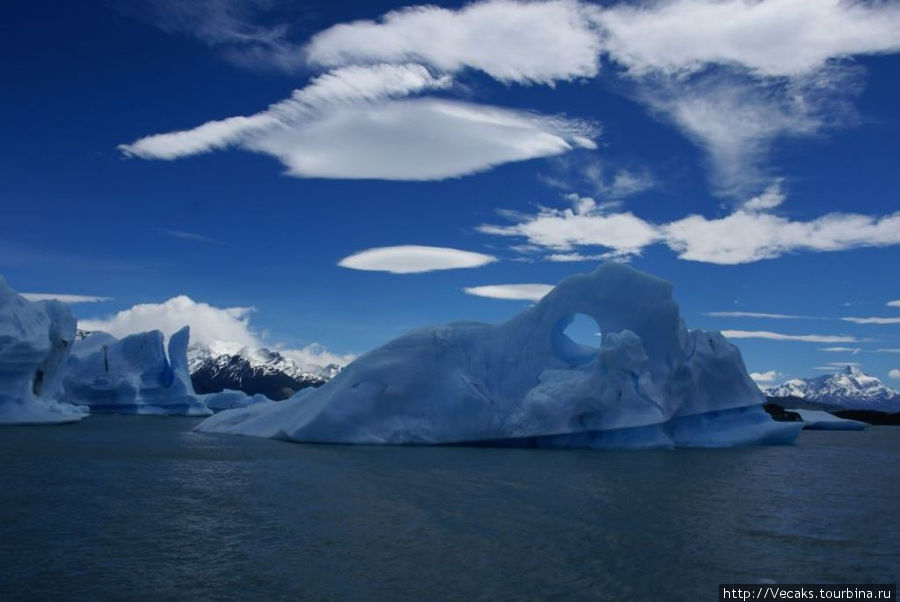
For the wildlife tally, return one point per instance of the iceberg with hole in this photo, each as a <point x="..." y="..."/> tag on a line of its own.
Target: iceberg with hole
<point x="652" y="383"/>
<point x="133" y="375"/>
<point x="35" y="339"/>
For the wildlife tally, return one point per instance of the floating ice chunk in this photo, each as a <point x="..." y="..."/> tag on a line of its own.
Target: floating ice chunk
<point x="35" y="339"/>
<point x="652" y="383"/>
<point x="823" y="421"/>
<point x="229" y="399"/>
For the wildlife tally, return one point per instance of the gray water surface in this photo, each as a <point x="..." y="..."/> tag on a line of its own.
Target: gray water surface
<point x="122" y="507"/>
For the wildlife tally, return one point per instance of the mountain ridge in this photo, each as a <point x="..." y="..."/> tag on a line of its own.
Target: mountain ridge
<point x="253" y="371"/>
<point x="848" y="389"/>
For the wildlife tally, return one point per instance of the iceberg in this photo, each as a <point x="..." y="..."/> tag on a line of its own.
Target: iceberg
<point x="823" y="421"/>
<point x="35" y="339"/>
<point x="652" y="383"/>
<point x="132" y="375"/>
<point x="228" y="399"/>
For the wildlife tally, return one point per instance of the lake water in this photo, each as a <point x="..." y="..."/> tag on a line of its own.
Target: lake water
<point x="121" y="507"/>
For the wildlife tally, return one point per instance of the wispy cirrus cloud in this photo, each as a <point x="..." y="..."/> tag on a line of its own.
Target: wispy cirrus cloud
<point x="850" y="350"/>
<point x="832" y="366"/>
<point x="753" y="314"/>
<point x="65" y="298"/>
<point x="873" y="320"/>
<point x="240" y="29"/>
<point x="191" y="236"/>
<point x="777" y="336"/>
<point x="414" y="259"/>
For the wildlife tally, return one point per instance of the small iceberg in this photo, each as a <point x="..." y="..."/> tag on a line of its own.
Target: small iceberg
<point x="817" y="420"/>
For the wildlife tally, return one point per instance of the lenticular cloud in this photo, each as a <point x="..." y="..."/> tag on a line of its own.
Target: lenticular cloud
<point x="355" y="123"/>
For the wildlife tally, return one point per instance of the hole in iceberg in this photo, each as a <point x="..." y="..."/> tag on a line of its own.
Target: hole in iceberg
<point x="576" y="339"/>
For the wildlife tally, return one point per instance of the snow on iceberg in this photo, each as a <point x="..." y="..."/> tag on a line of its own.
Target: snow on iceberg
<point x="132" y="375"/>
<point x="823" y="421"/>
<point x="651" y="383"/>
<point x="35" y="339"/>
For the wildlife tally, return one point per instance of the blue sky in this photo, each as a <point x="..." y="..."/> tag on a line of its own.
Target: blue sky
<point x="754" y="165"/>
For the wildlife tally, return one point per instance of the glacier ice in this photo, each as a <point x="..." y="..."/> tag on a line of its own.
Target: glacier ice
<point x="651" y="383"/>
<point x="35" y="339"/>
<point x="132" y="375"/>
<point x="229" y="399"/>
<point x="818" y="420"/>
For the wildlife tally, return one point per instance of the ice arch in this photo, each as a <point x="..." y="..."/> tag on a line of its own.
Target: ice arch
<point x="652" y="383"/>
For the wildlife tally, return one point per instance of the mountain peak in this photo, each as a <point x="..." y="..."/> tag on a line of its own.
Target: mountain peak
<point x="849" y="388"/>
<point x="252" y="370"/>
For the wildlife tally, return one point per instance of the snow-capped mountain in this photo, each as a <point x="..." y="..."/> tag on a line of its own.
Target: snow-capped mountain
<point x="252" y="371"/>
<point x="851" y="388"/>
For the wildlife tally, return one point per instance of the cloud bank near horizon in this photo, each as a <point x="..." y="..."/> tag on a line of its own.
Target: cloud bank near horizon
<point x="222" y="329"/>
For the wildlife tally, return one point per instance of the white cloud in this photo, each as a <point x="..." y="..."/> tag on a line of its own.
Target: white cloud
<point x="585" y="224"/>
<point x="528" y="42"/>
<point x="875" y="320"/>
<point x="411" y="259"/>
<point x="895" y="374"/>
<point x="317" y="356"/>
<point x="209" y="324"/>
<point x="769" y="199"/>
<point x="745" y="237"/>
<point x="769" y="38"/>
<point x="887" y="351"/>
<point x="524" y="292"/>
<point x="736" y="76"/>
<point x="753" y="314"/>
<point x="776" y="336"/>
<point x="740" y="237"/>
<point x="65" y="298"/>
<point x="893" y="303"/>
<point x="344" y="86"/>
<point x="851" y="350"/>
<point x="764" y="377"/>
<point x="222" y="329"/>
<point x="351" y="124"/>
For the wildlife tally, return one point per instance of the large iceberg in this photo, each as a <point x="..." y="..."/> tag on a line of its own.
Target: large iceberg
<point x="132" y="375"/>
<point x="35" y="339"/>
<point x="651" y="383"/>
